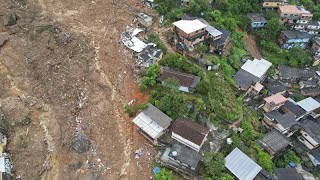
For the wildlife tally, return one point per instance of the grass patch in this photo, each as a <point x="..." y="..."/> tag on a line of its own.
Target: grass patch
<point x="48" y="28"/>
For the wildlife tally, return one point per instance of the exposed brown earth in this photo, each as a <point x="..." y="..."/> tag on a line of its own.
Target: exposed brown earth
<point x="65" y="68"/>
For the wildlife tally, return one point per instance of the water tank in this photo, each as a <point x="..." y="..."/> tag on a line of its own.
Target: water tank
<point x="292" y="164"/>
<point x="229" y="141"/>
<point x="174" y="153"/>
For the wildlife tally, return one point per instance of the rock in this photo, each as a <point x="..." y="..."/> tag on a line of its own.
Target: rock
<point x="10" y="19"/>
<point x="80" y="143"/>
<point x="3" y="39"/>
<point x="95" y="176"/>
<point x="75" y="164"/>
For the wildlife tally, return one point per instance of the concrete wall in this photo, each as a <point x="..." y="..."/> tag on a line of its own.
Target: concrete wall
<point x="186" y="142"/>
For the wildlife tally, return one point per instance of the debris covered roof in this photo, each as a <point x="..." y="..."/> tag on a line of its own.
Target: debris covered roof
<point x="242" y="166"/>
<point x="187" y="80"/>
<point x="190" y="130"/>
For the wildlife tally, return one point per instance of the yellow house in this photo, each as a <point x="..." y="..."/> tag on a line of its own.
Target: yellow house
<point x="273" y="4"/>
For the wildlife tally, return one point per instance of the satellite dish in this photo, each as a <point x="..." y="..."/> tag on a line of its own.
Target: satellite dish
<point x="174" y="153"/>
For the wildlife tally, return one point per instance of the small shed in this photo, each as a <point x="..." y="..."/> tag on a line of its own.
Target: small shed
<point x="152" y="122"/>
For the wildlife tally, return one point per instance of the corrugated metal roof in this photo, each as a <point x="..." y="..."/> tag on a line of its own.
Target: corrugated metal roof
<point x="309" y="104"/>
<point x="241" y="165"/>
<point x="149" y="126"/>
<point x="257" y="67"/>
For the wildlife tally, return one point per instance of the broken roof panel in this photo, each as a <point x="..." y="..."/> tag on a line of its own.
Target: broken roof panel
<point x="309" y="104"/>
<point x="189" y="26"/>
<point x="257" y="67"/>
<point x="242" y="166"/>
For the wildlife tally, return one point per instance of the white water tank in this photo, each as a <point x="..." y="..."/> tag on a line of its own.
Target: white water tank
<point x="229" y="141"/>
<point x="174" y="153"/>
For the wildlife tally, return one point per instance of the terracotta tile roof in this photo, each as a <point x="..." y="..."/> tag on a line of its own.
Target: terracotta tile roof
<point x="289" y="9"/>
<point x="190" y="130"/>
<point x="276" y="99"/>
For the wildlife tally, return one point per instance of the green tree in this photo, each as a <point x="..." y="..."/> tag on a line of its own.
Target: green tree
<point x="297" y="57"/>
<point x="264" y="160"/>
<point x="287" y="158"/>
<point x="149" y="79"/>
<point x="271" y="31"/>
<point x="154" y="38"/>
<point x="172" y="84"/>
<point x="202" y="49"/>
<point x="164" y="175"/>
<point x="214" y="164"/>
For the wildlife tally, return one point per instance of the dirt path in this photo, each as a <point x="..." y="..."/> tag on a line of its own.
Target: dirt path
<point x="251" y="45"/>
<point x="80" y="84"/>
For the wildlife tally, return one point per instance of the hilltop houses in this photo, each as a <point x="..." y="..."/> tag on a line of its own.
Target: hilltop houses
<point x="273" y="4"/>
<point x="293" y="38"/>
<point x="191" y="31"/>
<point x="296" y="16"/>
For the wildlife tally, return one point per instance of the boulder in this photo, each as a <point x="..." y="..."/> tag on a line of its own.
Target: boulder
<point x="95" y="176"/>
<point x="3" y="39"/>
<point x="10" y="19"/>
<point x="75" y="164"/>
<point x="80" y="143"/>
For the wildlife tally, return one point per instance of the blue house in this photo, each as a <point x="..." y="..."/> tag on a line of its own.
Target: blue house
<point x="257" y="20"/>
<point x="293" y="38"/>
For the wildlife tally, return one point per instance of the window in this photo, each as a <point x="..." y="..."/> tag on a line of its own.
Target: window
<point x="267" y="4"/>
<point x="285" y="14"/>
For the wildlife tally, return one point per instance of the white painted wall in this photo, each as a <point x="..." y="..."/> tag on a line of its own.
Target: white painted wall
<point x="186" y="142"/>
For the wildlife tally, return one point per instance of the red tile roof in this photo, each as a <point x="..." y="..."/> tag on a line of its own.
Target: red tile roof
<point x="289" y="9"/>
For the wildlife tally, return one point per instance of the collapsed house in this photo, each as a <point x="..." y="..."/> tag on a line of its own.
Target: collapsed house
<point x="145" y="54"/>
